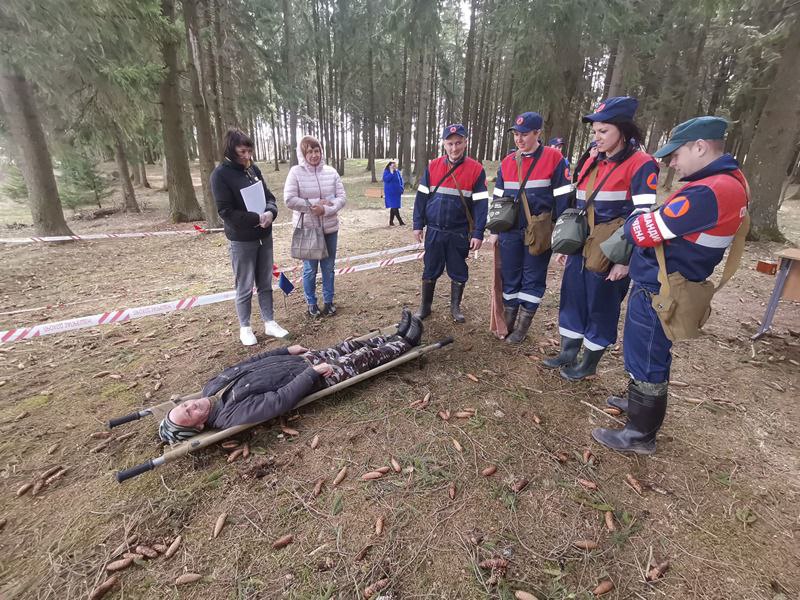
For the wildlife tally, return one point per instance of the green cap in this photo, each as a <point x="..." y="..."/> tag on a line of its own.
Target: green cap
<point x="699" y="128"/>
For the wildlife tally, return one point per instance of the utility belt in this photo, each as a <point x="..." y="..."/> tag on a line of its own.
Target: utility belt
<point x="458" y="230"/>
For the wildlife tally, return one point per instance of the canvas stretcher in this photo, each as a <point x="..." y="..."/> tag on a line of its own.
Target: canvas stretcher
<point x="210" y="437"/>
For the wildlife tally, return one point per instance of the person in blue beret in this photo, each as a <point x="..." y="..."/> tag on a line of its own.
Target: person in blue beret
<point x="558" y="144"/>
<point x="536" y="176"/>
<point x="692" y="229"/>
<point x="450" y="211"/>
<point x="616" y="180"/>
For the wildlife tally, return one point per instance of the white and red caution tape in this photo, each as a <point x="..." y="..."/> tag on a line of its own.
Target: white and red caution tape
<point x="108" y="236"/>
<point x="127" y="314"/>
<point x="357" y="257"/>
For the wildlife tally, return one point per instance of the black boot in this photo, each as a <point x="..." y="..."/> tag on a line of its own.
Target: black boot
<point x="414" y="333"/>
<point x="620" y="402"/>
<point x="510" y="317"/>
<point x="587" y="366"/>
<point x="566" y="357"/>
<point x="428" y="287"/>
<point x="456" y="293"/>
<point x="521" y="329"/>
<point x="405" y="322"/>
<point x="645" y="417"/>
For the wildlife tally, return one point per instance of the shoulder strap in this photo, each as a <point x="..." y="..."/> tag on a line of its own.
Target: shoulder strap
<point x="518" y="159"/>
<point x="521" y="190"/>
<point x="450" y="172"/>
<point x="737" y="246"/>
<point x="470" y="220"/>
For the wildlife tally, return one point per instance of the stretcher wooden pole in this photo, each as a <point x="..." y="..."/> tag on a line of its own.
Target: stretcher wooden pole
<point x="205" y="439"/>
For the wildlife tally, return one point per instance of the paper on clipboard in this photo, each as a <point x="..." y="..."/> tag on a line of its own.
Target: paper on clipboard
<point x="254" y="198"/>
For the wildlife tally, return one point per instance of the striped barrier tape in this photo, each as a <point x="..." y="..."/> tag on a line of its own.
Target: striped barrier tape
<point x="113" y="236"/>
<point x="127" y="314"/>
<point x="286" y="270"/>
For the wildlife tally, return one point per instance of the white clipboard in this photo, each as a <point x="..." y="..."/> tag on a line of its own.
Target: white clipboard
<point x="254" y="198"/>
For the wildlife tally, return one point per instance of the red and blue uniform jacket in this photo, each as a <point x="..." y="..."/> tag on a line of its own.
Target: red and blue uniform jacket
<point x="547" y="185"/>
<point x="444" y="210"/>
<point x="696" y="224"/>
<point x="631" y="187"/>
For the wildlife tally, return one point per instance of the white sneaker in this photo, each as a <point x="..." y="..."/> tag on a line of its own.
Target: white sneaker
<point x="271" y="328"/>
<point x="247" y="336"/>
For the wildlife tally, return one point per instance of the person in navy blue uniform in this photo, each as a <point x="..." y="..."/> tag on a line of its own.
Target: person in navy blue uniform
<point x="558" y="144"/>
<point x="694" y="226"/>
<point x="451" y="206"/>
<point x="524" y="275"/>
<point x="591" y="295"/>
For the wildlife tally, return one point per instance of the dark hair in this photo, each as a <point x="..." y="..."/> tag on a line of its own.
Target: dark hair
<point x="389" y="164"/>
<point x="630" y="132"/>
<point x="235" y="137"/>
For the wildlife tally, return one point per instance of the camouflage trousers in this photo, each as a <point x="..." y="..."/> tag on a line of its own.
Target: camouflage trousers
<point x="353" y="357"/>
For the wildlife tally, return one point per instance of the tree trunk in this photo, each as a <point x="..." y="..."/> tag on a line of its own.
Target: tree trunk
<point x="136" y="174"/>
<point x="617" y="74"/>
<point x="369" y="125"/>
<point x="420" y="146"/>
<point x="225" y="70"/>
<point x="408" y="100"/>
<point x="22" y="119"/>
<point x="210" y="60"/>
<point x="129" y="203"/>
<point x="143" y="173"/>
<point x="469" y="62"/>
<point x="772" y="146"/>
<point x="205" y="141"/>
<point x="164" y="173"/>
<point x="183" y="205"/>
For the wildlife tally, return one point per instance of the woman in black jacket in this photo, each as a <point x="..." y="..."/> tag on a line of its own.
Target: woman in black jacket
<point x="247" y="208"/>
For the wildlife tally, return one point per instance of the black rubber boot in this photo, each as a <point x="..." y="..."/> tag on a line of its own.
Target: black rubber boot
<point x="414" y="333"/>
<point x="456" y="293"/>
<point x="428" y="287"/>
<point x="645" y="417"/>
<point x="523" y="324"/>
<point x="567" y="355"/>
<point x="620" y="402"/>
<point x="510" y="317"/>
<point x="405" y="322"/>
<point x="587" y="366"/>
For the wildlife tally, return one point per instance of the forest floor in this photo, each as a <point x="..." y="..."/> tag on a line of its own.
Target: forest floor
<point x="719" y="500"/>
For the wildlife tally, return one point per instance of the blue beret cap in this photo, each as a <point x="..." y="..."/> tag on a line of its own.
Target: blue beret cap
<point x="454" y="129"/>
<point x="699" y="128"/>
<point x="527" y="121"/>
<point x="619" y="108"/>
<point x="556" y="141"/>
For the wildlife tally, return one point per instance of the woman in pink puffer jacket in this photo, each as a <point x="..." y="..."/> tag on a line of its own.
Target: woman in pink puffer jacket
<point x="314" y="188"/>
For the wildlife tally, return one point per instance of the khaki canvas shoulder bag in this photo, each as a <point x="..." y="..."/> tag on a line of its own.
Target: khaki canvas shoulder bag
<point x="683" y="306"/>
<point x="539" y="230"/>
<point x="594" y="259"/>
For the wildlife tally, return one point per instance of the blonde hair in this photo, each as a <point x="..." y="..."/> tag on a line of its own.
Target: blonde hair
<point x="309" y="142"/>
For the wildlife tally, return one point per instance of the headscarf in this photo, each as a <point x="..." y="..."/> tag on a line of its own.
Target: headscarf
<point x="172" y="433"/>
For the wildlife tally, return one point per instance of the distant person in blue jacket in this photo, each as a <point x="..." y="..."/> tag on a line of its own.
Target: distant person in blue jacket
<point x="392" y="191"/>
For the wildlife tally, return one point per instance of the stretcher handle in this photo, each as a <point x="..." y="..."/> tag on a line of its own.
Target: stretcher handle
<point x="445" y="341"/>
<point x="135" y="471"/>
<point x="116" y="421"/>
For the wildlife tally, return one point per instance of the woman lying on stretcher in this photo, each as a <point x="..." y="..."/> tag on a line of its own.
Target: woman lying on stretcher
<point x="271" y="383"/>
